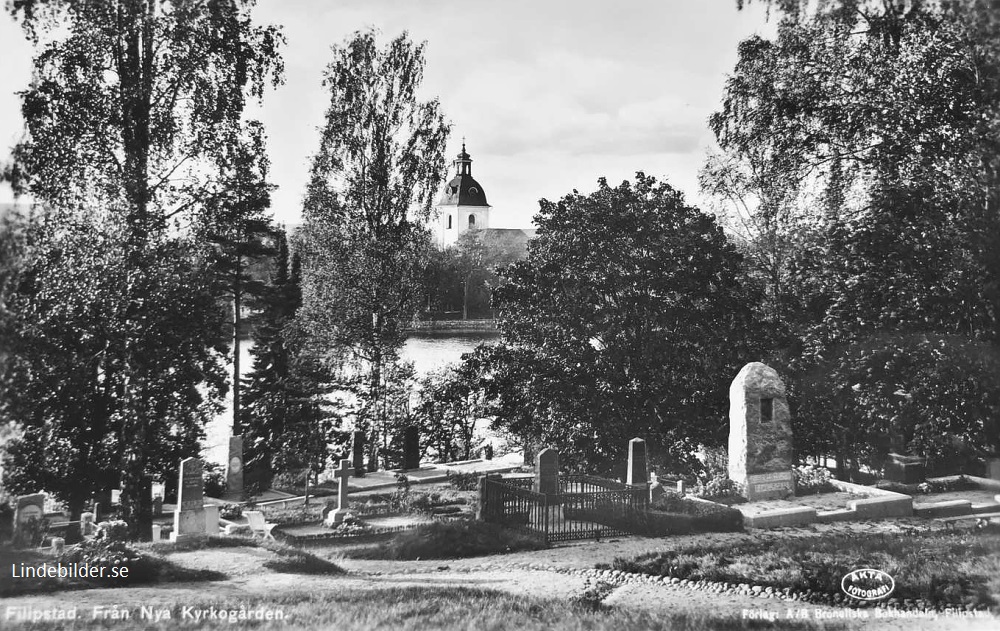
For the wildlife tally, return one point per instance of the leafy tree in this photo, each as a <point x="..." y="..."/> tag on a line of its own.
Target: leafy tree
<point x="65" y="376"/>
<point x="628" y="308"/>
<point x="872" y="127"/>
<point x="133" y="109"/>
<point x="380" y="160"/>
<point x="450" y="402"/>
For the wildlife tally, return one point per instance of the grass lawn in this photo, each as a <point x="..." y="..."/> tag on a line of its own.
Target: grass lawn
<point x="419" y="609"/>
<point x="942" y="568"/>
<point x="449" y="540"/>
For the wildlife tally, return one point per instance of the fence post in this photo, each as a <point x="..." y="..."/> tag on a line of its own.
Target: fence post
<point x="482" y="512"/>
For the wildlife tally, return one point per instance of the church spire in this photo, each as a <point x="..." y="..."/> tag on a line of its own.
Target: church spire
<point x="463" y="165"/>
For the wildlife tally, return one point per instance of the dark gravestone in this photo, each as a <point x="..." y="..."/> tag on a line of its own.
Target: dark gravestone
<point x="636" y="462"/>
<point x="488" y="452"/>
<point x="358" y="453"/>
<point x="906" y="469"/>
<point x="547" y="472"/>
<point x="411" y="447"/>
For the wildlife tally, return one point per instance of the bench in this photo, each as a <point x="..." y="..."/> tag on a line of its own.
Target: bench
<point x="982" y="519"/>
<point x="258" y="525"/>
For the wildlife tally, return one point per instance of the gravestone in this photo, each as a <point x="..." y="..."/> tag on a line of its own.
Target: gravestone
<point x="333" y="516"/>
<point x="760" y="434"/>
<point x="87" y="524"/>
<point x="636" y="474"/>
<point x="189" y="518"/>
<point x="488" y="452"/>
<point x="29" y="507"/>
<point x="157" y="506"/>
<point x="211" y="519"/>
<point x="234" y="468"/>
<point x="993" y="468"/>
<point x="411" y="447"/>
<point x="547" y="472"/>
<point x="906" y="469"/>
<point x="547" y="482"/>
<point x="358" y="453"/>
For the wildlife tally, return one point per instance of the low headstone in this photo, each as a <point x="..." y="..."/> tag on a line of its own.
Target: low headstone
<point x="488" y="452"/>
<point x="993" y="468"/>
<point x="234" y="468"/>
<point x="681" y="488"/>
<point x="87" y="524"/>
<point x="157" y="532"/>
<point x="637" y="473"/>
<point x="760" y="434"/>
<point x="189" y="518"/>
<point x="157" y="506"/>
<point x="358" y="453"/>
<point x="211" y="519"/>
<point x="58" y="545"/>
<point x="116" y="497"/>
<point x="411" y="447"/>
<point x="656" y="490"/>
<point x="906" y="469"/>
<point x="29" y="507"/>
<point x="334" y="516"/>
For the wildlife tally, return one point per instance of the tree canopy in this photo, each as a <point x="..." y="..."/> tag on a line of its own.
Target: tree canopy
<point x="628" y="308"/>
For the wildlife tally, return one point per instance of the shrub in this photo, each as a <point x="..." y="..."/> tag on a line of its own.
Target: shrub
<point x="463" y="481"/>
<point x="717" y="486"/>
<point x="107" y="553"/>
<point x="31" y="533"/>
<point x="450" y="540"/>
<point x="812" y="479"/>
<point x="214" y="477"/>
<point x="230" y="512"/>
<point x="114" y="530"/>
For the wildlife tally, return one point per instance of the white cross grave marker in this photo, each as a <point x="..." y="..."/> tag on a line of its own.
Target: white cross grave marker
<point x="341" y="473"/>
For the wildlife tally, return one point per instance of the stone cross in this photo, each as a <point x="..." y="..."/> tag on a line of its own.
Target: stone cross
<point x="547" y="472"/>
<point x="234" y="468"/>
<point x="358" y="453"/>
<point x="760" y="433"/>
<point x="341" y="473"/>
<point x="636" y="474"/>
<point x="189" y="518"/>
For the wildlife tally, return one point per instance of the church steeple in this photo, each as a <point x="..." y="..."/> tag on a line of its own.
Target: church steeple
<point x="463" y="165"/>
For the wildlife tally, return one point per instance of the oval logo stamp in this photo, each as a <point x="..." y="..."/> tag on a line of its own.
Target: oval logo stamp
<point x="867" y="584"/>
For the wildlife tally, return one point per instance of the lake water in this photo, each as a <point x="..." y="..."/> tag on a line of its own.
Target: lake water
<point x="428" y="350"/>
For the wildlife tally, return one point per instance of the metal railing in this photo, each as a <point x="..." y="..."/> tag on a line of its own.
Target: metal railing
<point x="587" y="508"/>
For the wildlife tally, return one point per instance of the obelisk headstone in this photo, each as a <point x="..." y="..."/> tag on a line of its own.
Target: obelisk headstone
<point x="358" y="453"/>
<point x="636" y="474"/>
<point x="234" y="469"/>
<point x="189" y="518"/>
<point x="760" y="434"/>
<point x="333" y="517"/>
<point x="411" y="447"/>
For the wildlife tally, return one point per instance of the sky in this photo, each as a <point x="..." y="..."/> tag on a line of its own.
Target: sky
<point x="550" y="95"/>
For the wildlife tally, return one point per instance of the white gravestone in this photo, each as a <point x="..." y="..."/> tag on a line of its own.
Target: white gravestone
<point x="189" y="518"/>
<point x="337" y="515"/>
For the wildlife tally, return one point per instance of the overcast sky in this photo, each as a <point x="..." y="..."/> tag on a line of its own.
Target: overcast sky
<point x="550" y="94"/>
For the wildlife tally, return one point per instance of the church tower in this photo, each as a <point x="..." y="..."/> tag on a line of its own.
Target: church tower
<point x="463" y="205"/>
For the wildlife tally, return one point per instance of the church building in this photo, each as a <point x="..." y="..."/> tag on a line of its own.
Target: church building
<point x="463" y="208"/>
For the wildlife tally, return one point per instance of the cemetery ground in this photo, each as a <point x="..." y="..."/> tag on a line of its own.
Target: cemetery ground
<point x="693" y="581"/>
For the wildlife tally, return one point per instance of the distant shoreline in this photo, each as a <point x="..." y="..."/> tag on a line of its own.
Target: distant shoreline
<point x="452" y="325"/>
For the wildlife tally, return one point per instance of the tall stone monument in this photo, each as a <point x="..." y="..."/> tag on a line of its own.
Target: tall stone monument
<point x="411" y="447"/>
<point x="358" y="453"/>
<point x="234" y="468"/>
<point x="547" y="472"/>
<point x="189" y="518"/>
<point x="637" y="465"/>
<point x="760" y="434"/>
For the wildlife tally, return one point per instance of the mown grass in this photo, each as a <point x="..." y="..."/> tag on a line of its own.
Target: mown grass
<point x="150" y="568"/>
<point x="942" y="568"/>
<point x="450" y="540"/>
<point x="445" y="609"/>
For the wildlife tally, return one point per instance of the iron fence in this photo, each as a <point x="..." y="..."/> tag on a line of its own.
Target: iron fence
<point x="586" y="508"/>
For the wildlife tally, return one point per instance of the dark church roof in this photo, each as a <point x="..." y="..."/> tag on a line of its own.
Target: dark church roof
<point x="462" y="190"/>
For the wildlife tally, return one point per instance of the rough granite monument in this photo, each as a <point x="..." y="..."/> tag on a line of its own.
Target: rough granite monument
<point x="760" y="434"/>
<point x="234" y="468"/>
